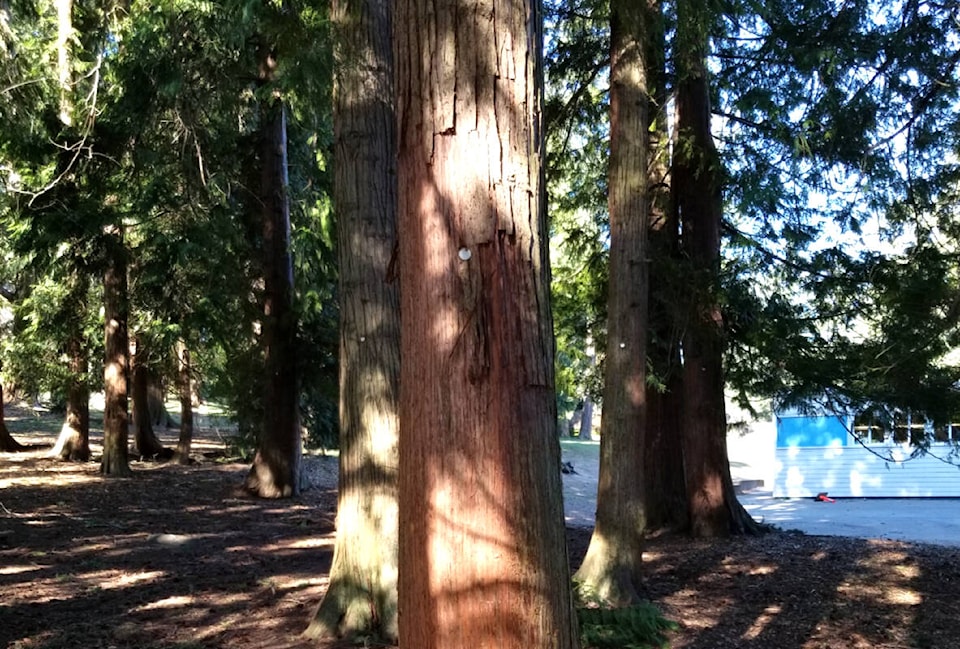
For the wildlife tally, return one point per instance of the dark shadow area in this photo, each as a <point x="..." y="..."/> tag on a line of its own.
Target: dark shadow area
<point x="792" y="591"/>
<point x="172" y="557"/>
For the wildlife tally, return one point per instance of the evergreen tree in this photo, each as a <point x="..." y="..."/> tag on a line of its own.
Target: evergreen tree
<point x="361" y="599"/>
<point x="482" y="547"/>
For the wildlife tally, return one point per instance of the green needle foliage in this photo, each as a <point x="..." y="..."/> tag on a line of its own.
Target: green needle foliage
<point x="635" y="627"/>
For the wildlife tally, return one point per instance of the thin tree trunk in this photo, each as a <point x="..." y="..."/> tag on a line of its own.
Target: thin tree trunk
<point x="612" y="568"/>
<point x="361" y="599"/>
<point x="714" y="509"/>
<point x="73" y="444"/>
<point x="64" y="71"/>
<point x="185" y="392"/>
<point x="482" y="543"/>
<point x="146" y="442"/>
<point x="276" y="467"/>
<point x="664" y="487"/>
<point x="115" y="415"/>
<point x="585" y="431"/>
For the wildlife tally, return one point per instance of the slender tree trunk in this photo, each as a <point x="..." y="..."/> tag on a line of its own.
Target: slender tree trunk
<point x="664" y="487"/>
<point x="714" y="509"/>
<point x="586" y="419"/>
<point x="64" y="71"/>
<point x="145" y="440"/>
<point x="73" y="444"/>
<point x="361" y="599"/>
<point x="7" y="443"/>
<point x="115" y="415"/>
<point x="276" y="467"/>
<point x="482" y="543"/>
<point x="185" y="392"/>
<point x="612" y="568"/>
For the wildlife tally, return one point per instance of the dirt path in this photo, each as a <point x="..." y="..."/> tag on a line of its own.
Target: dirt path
<point x="175" y="558"/>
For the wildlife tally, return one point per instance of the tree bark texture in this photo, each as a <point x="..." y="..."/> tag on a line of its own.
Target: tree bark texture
<point x="482" y="544"/>
<point x="276" y="467"/>
<point x="664" y="486"/>
<point x="612" y="568"/>
<point x="73" y="444"/>
<point x="713" y="506"/>
<point x="115" y="460"/>
<point x="146" y="442"/>
<point x="185" y="394"/>
<point x="361" y="599"/>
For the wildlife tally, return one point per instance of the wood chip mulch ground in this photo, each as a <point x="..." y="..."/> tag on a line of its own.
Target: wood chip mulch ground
<point x="177" y="558"/>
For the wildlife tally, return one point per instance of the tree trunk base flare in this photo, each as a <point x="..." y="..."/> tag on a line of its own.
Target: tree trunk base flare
<point x="609" y="577"/>
<point x="271" y="480"/>
<point x="7" y="443"/>
<point x="114" y="466"/>
<point x="349" y="611"/>
<point x="72" y="445"/>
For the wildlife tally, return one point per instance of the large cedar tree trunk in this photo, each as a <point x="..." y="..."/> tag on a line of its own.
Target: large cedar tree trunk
<point x="361" y="599"/>
<point x="482" y="545"/>
<point x="713" y="506"/>
<point x="146" y="442"/>
<point x="612" y="568"/>
<point x="664" y="487"/>
<point x="73" y="444"/>
<point x="115" y="415"/>
<point x="276" y="467"/>
<point x="185" y="394"/>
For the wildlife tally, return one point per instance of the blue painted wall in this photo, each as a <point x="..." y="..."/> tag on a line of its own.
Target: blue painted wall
<point x="811" y="431"/>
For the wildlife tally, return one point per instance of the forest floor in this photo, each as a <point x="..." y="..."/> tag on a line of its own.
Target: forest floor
<point x="177" y="558"/>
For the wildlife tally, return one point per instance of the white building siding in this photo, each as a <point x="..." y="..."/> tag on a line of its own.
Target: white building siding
<point x="855" y="472"/>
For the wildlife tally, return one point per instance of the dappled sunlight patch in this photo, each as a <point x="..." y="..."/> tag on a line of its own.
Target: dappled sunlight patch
<point x="174" y="601"/>
<point x="758" y="626"/>
<point x="305" y="543"/>
<point x="125" y="579"/>
<point x="17" y="570"/>
<point x="903" y="597"/>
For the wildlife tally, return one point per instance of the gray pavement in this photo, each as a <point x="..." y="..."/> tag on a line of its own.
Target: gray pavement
<point x="921" y="520"/>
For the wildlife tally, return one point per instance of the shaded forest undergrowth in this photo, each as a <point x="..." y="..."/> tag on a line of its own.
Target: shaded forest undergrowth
<point x="176" y="557"/>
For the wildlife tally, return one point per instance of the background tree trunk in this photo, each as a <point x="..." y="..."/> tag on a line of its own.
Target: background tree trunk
<point x="146" y="442"/>
<point x="713" y="506"/>
<point x="185" y="392"/>
<point x="115" y="415"/>
<point x="276" y="467"/>
<point x="482" y="541"/>
<point x="612" y="568"/>
<point x="586" y="419"/>
<point x="73" y="444"/>
<point x="362" y="596"/>
<point x="7" y="443"/>
<point x="664" y="487"/>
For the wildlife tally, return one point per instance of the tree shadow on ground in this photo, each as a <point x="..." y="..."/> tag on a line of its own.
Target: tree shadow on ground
<point x="173" y="555"/>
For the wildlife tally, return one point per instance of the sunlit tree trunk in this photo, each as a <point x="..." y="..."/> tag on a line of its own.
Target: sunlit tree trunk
<point x="73" y="444"/>
<point x="482" y="544"/>
<point x="276" y="467"/>
<point x="361" y="599"/>
<point x="713" y="506"/>
<point x="612" y="568"/>
<point x="115" y="415"/>
<point x="185" y="394"/>
<point x="64" y="72"/>
<point x="664" y="487"/>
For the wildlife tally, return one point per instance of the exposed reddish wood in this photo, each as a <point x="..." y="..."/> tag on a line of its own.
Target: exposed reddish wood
<point x="481" y="522"/>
